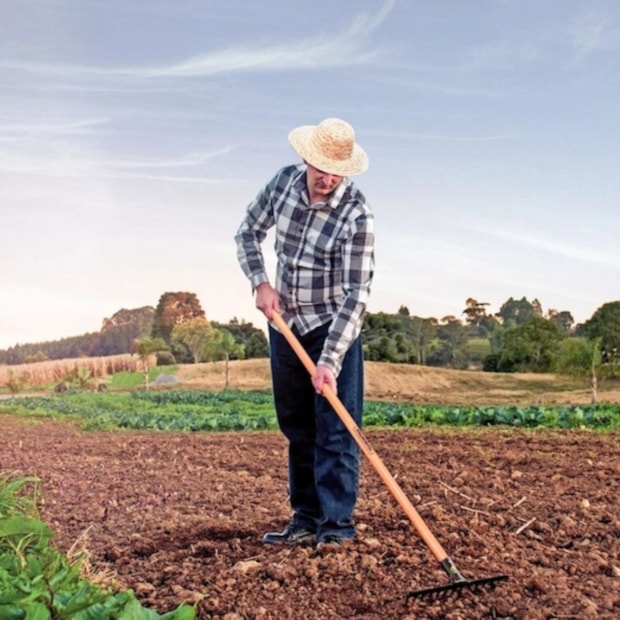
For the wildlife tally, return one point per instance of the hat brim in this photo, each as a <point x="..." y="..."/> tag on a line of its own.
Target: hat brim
<point x="302" y="140"/>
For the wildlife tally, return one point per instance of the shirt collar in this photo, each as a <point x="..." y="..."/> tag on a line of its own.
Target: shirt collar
<point x="335" y="198"/>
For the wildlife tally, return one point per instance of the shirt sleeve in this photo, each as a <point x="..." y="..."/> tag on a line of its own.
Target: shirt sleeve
<point x="258" y="220"/>
<point x="358" y="270"/>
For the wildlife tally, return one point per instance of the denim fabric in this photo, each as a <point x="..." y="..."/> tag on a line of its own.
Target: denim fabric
<point x="323" y="456"/>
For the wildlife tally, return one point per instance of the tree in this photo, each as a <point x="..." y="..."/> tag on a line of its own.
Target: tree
<point x="145" y="348"/>
<point x="475" y="311"/>
<point x="488" y="325"/>
<point x="196" y="335"/>
<point x="515" y="312"/>
<point x="379" y="332"/>
<point x="257" y="345"/>
<point x="174" y="309"/>
<point x="223" y="346"/>
<point x="384" y="349"/>
<point x="399" y="338"/>
<point x="451" y="338"/>
<point x="119" y="331"/>
<point x="404" y="348"/>
<point x="251" y="338"/>
<point x="564" y="320"/>
<point x="496" y="338"/>
<point x="422" y="333"/>
<point x="605" y="324"/>
<point x="530" y="347"/>
<point x="39" y="356"/>
<point x="580" y="357"/>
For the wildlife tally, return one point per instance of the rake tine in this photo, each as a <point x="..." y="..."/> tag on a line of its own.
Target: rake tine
<point x="476" y="585"/>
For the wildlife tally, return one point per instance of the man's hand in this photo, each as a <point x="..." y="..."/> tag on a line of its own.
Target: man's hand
<point x="267" y="299"/>
<point x="323" y="376"/>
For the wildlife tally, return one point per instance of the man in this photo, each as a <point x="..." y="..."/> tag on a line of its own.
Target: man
<point x="324" y="242"/>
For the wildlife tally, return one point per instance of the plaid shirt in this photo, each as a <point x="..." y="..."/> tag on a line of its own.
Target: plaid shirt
<point x="325" y="255"/>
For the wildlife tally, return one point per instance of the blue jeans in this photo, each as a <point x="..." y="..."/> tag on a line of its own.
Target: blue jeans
<point x="323" y="456"/>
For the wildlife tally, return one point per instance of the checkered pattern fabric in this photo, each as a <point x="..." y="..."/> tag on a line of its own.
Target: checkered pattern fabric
<point x="325" y="256"/>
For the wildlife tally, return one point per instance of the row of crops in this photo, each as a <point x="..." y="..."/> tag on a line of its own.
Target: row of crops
<point x="184" y="410"/>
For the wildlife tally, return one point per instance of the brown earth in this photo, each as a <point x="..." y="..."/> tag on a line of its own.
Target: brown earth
<point x="178" y="517"/>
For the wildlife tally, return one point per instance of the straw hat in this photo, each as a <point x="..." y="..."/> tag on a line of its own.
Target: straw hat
<point x="330" y="147"/>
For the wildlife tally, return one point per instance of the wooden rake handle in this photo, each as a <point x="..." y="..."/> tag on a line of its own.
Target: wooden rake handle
<point x="346" y="418"/>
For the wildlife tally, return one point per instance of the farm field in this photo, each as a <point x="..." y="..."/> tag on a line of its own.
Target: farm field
<point x="178" y="517"/>
<point x="421" y="384"/>
<point x="383" y="381"/>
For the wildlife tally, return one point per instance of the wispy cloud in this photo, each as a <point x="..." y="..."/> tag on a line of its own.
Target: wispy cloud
<point x="84" y="167"/>
<point x="185" y="161"/>
<point x="347" y="48"/>
<point x="97" y="87"/>
<point x="437" y="137"/>
<point x="592" y="32"/>
<point x="548" y="244"/>
<point x="573" y="37"/>
<point x="46" y="128"/>
<point x="434" y="84"/>
<point x="167" y="178"/>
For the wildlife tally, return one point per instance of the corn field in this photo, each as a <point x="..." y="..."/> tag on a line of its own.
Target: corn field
<point x="55" y="371"/>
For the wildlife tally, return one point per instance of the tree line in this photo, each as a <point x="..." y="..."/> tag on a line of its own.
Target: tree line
<point x="520" y="337"/>
<point x="177" y="327"/>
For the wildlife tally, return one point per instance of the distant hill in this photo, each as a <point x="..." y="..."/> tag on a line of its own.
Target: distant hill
<point x="115" y="337"/>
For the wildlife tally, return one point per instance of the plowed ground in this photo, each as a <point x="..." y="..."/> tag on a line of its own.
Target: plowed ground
<point x="179" y="518"/>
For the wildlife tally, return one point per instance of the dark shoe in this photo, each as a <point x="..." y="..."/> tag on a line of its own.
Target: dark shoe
<point x="331" y="541"/>
<point x="292" y="535"/>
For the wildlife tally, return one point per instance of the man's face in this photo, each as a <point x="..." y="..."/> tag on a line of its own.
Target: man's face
<point x="321" y="183"/>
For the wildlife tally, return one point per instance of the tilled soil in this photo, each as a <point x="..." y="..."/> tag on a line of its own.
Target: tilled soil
<point x="179" y="518"/>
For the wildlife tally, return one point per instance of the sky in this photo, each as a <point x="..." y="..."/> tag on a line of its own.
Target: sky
<point x="133" y="136"/>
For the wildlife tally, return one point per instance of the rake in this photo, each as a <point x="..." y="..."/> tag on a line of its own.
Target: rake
<point x="457" y="581"/>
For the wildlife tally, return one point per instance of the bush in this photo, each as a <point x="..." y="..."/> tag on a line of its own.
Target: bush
<point x="490" y="363"/>
<point x="165" y="358"/>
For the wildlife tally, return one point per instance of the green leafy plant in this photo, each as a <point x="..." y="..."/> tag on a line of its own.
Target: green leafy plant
<point x="199" y="410"/>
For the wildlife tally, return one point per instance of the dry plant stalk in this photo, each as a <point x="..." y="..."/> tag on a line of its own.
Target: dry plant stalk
<point x="79" y="553"/>
<point x="525" y="526"/>
<point x="52" y="371"/>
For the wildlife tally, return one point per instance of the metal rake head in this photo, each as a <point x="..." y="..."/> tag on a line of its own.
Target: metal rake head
<point x="457" y="587"/>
